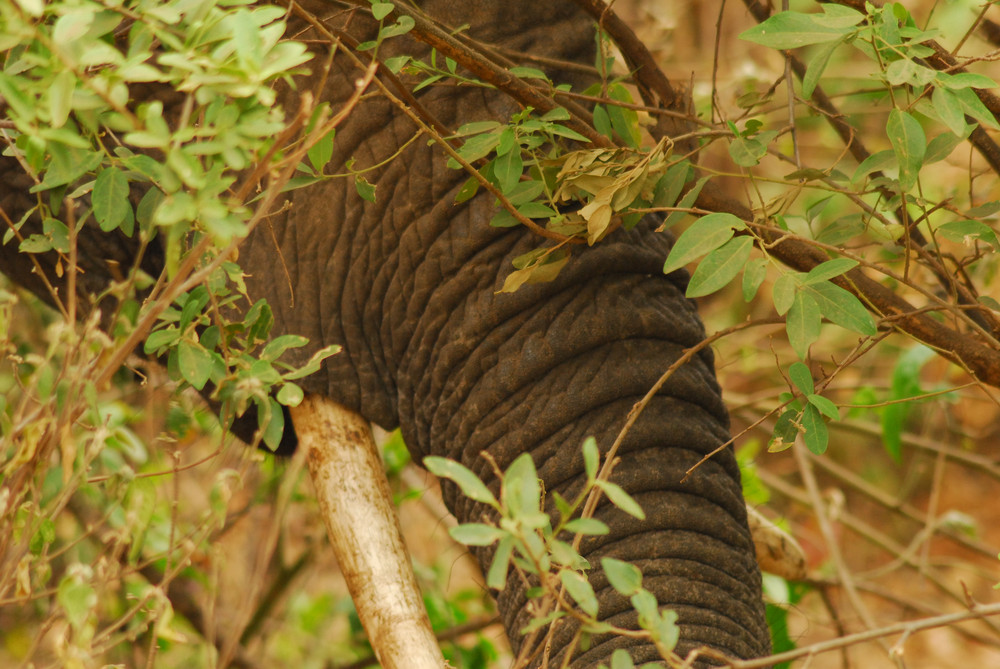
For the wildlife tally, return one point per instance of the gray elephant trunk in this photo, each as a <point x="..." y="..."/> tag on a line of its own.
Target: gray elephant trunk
<point x="538" y="372"/>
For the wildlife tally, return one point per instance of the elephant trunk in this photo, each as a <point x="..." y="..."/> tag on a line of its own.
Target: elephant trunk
<point x="542" y="369"/>
<point x="408" y="285"/>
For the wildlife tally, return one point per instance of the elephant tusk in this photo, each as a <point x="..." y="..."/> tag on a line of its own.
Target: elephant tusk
<point x="364" y="530"/>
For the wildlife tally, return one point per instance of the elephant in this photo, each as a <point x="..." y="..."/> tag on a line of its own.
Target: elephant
<point x="409" y="287"/>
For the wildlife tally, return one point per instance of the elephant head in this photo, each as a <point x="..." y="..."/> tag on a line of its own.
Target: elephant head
<point x="409" y="287"/>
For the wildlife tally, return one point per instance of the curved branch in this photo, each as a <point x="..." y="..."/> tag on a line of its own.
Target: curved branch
<point x="428" y="32"/>
<point x="648" y="75"/>
<point x="981" y="361"/>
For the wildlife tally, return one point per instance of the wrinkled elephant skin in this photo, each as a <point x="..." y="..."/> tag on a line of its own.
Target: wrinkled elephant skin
<point x="408" y="286"/>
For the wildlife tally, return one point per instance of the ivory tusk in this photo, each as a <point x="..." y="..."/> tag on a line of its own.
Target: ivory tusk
<point x="364" y="530"/>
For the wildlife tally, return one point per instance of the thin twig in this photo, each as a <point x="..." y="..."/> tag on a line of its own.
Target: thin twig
<point x="909" y="628"/>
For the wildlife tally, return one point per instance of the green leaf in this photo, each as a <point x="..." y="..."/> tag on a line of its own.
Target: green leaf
<point x="985" y="209"/>
<point x="542" y="621"/>
<point x="785" y="431"/>
<point x="624" y="121"/>
<point x="564" y="554"/>
<point x="477" y="534"/>
<point x="748" y="151"/>
<point x="790" y="30"/>
<point x="534" y="73"/>
<point x="968" y="232"/>
<point x="645" y="604"/>
<point x="563" y="131"/>
<point x="477" y="128"/>
<point x="60" y="96"/>
<point x="507" y="142"/>
<point x="365" y="189"/>
<point x="56" y="231"/>
<point x="467" y="191"/>
<point x="909" y="144"/>
<point x="13" y="91"/>
<point x="504" y="219"/>
<point x="403" y="25"/>
<point x="319" y="154"/>
<point x="941" y="147"/>
<point x="395" y="64"/>
<point x="274" y="348"/>
<point x="803" y="324"/>
<point x="274" y="427"/>
<point x="602" y="122"/>
<point x="563" y="508"/>
<point x="554" y="114"/>
<point x="665" y="629"/>
<point x="535" y="273"/>
<point x="78" y="599"/>
<point x="754" y="273"/>
<point x="686" y="203"/>
<point x="828" y="270"/>
<point x="816" y="67"/>
<point x="67" y="165"/>
<point x="842" y="308"/>
<point x="290" y="395"/>
<point x="949" y="110"/>
<point x="580" y="590"/>
<point x="816" y="435"/>
<point x="313" y="363"/>
<point x="838" y="16"/>
<point x="623" y="577"/>
<point x="35" y="244"/>
<point x="32" y="7"/>
<point x="988" y="302"/>
<point x="463" y="477"/>
<point x="905" y="384"/>
<point x="524" y="192"/>
<point x="587" y="526"/>
<point x="825" y="406"/>
<point x="508" y="168"/>
<point x="479" y="146"/>
<point x="975" y="108"/>
<point x="621" y="499"/>
<point x="43" y="536"/>
<point x="784" y="290"/>
<point x="843" y="229"/>
<point x="521" y="489"/>
<point x="160" y="339"/>
<point x="195" y="363"/>
<point x="669" y="186"/>
<point x="720" y="267"/>
<point x="802" y="378"/>
<point x="961" y="80"/>
<point x="380" y="10"/>
<point x="591" y="457"/>
<point x="817" y="208"/>
<point x="706" y="234"/>
<point x="874" y="163"/>
<point x="496" y="578"/>
<point x="620" y="659"/>
<point x="906" y="71"/>
<point x="536" y="210"/>
<point x="265" y="372"/>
